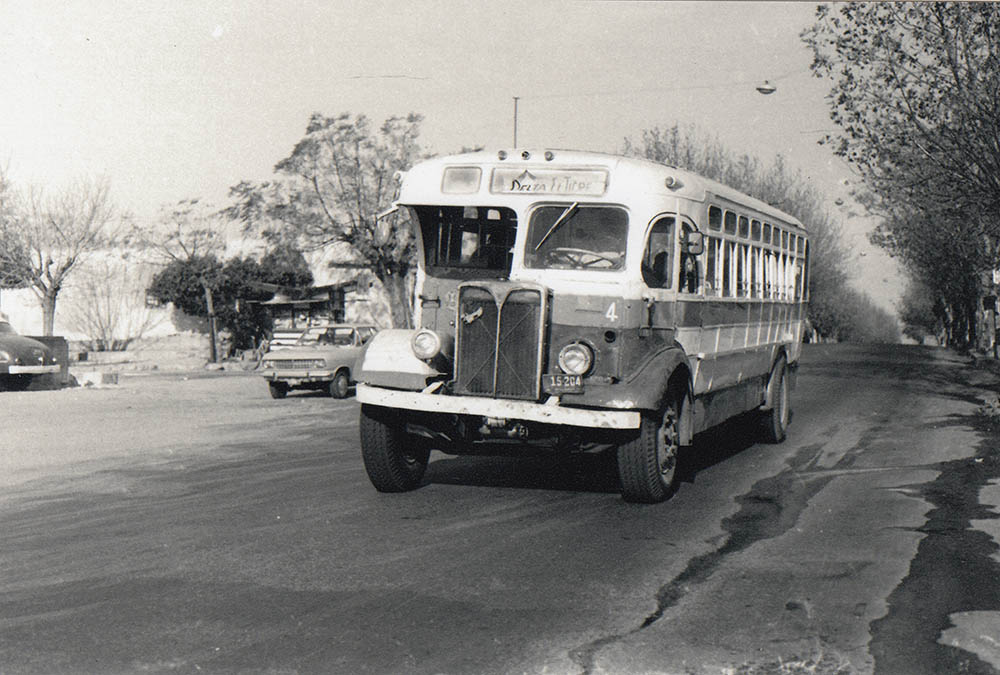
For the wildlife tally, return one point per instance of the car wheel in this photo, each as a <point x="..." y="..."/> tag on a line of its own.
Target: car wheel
<point x="278" y="389"/>
<point x="393" y="460"/>
<point x="647" y="463"/>
<point x="339" y="385"/>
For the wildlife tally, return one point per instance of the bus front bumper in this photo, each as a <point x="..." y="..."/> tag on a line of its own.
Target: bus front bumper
<point x="498" y="408"/>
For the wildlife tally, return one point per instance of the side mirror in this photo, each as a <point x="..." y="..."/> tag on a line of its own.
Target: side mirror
<point x="382" y="229"/>
<point x="694" y="243"/>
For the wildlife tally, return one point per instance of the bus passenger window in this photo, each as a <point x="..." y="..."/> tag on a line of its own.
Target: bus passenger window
<point x="730" y="222"/>
<point x="711" y="267"/>
<point x="740" y="273"/>
<point x="728" y="269"/>
<point x="714" y="218"/>
<point x="657" y="264"/>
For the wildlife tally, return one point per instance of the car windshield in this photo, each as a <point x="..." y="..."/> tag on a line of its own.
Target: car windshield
<point x="7" y="328"/>
<point x="575" y="236"/>
<point x="340" y="335"/>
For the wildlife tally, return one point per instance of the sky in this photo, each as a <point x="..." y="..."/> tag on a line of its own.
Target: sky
<point x="178" y="100"/>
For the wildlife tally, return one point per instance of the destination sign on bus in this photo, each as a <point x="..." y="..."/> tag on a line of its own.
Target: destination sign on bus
<point x="587" y="182"/>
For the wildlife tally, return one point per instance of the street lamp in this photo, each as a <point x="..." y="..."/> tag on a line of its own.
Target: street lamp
<point x="766" y="88"/>
<point x="515" y="120"/>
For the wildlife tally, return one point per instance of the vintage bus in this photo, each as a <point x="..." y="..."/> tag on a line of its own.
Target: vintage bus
<point x="575" y="302"/>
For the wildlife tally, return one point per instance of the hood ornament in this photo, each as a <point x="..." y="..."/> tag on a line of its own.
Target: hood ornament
<point x="472" y="316"/>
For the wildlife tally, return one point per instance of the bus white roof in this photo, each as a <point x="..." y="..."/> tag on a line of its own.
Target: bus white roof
<point x="424" y="178"/>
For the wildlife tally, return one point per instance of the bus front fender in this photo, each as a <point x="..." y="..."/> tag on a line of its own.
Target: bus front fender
<point x="388" y="361"/>
<point x="667" y="371"/>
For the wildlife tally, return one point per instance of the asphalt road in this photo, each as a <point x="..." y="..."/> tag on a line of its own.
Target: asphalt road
<point x="193" y="524"/>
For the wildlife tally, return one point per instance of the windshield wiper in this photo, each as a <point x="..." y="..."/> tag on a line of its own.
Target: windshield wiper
<point x="559" y="221"/>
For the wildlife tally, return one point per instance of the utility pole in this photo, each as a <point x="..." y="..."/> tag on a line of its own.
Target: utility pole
<point x="515" y="120"/>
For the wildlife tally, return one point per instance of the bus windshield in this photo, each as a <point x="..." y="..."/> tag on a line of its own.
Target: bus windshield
<point x="575" y="236"/>
<point x="468" y="237"/>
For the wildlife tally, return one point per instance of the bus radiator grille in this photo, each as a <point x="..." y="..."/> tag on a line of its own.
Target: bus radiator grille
<point x="499" y="343"/>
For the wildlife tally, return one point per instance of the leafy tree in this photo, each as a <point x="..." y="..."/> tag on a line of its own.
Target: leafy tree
<point x="330" y="190"/>
<point x="921" y="312"/>
<point x="234" y="286"/>
<point x="243" y="285"/>
<point x="914" y="92"/>
<point x="285" y="265"/>
<point x="834" y="310"/>
<point x="43" y="239"/>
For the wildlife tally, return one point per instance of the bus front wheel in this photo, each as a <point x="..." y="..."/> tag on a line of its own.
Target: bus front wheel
<point x="393" y="461"/>
<point x="647" y="464"/>
<point x="775" y="420"/>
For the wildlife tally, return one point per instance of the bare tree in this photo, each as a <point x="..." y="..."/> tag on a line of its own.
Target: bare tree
<point x="109" y="301"/>
<point x="13" y="256"/>
<point x="43" y="239"/>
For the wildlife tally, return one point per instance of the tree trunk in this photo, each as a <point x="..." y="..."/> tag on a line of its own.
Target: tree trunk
<point x="49" y="312"/>
<point x="210" y="306"/>
<point x="973" y="326"/>
<point x="399" y="300"/>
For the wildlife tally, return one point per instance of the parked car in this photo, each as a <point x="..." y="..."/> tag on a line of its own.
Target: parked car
<point x="21" y="359"/>
<point x="322" y="358"/>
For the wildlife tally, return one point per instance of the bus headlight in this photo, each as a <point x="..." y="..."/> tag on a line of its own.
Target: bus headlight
<point x="426" y="344"/>
<point x="576" y="358"/>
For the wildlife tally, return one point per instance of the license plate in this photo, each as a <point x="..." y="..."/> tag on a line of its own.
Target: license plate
<point x="563" y="384"/>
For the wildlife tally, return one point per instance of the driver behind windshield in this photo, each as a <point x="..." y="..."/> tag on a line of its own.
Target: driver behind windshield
<point x="572" y="236"/>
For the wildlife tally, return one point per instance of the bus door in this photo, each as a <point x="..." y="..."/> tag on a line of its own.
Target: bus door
<point x="660" y="276"/>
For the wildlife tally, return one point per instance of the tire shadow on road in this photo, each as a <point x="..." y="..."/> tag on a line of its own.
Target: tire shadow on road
<point x="574" y="473"/>
<point x="589" y="472"/>
<point x="718" y="444"/>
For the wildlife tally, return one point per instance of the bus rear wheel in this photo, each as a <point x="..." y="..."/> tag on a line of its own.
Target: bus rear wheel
<point x="775" y="420"/>
<point x="647" y="464"/>
<point x="393" y="461"/>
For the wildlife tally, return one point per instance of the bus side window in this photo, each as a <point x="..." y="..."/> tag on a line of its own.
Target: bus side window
<point x="657" y="262"/>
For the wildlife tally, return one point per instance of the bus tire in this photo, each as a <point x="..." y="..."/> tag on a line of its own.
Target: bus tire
<point x="774" y="421"/>
<point x="647" y="464"/>
<point x="339" y="385"/>
<point x="393" y="461"/>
